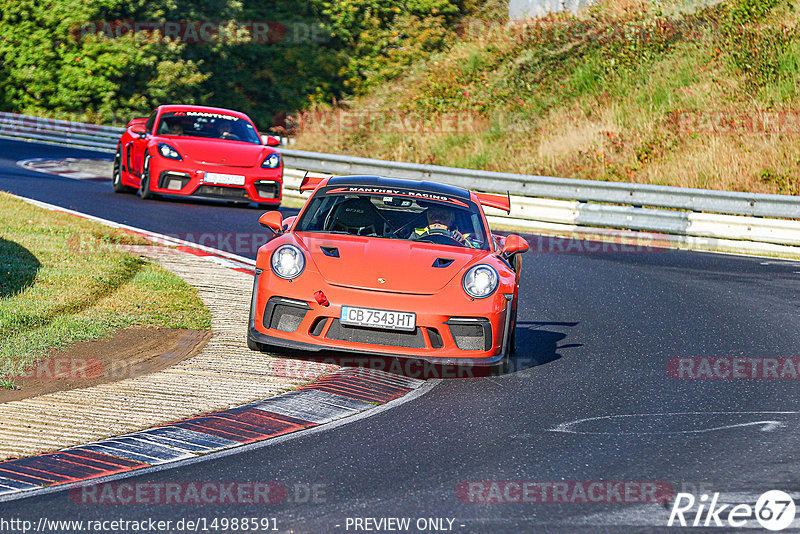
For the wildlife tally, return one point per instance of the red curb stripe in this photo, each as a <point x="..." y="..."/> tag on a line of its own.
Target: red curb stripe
<point x="194" y="251"/>
<point x="258" y="417"/>
<point x="257" y="421"/>
<point x="21" y="476"/>
<point x="113" y="461"/>
<point x="224" y="428"/>
<point x="363" y="385"/>
<point x="366" y="397"/>
<point x="358" y="387"/>
<point x="231" y="428"/>
<point x="357" y="390"/>
<point x="58" y="466"/>
<point x="44" y="472"/>
<point x="104" y="467"/>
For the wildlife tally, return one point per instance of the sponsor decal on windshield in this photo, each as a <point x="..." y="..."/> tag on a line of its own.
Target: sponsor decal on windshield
<point x="422" y="195"/>
<point x="205" y="114"/>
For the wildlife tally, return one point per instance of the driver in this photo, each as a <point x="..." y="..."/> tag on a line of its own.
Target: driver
<point x="441" y="221"/>
<point x="224" y="131"/>
<point x="176" y="129"/>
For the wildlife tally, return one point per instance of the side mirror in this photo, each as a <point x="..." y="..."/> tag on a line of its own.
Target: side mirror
<point x="271" y="141"/>
<point x="138" y="120"/>
<point x="514" y="245"/>
<point x="272" y="220"/>
<point x="139" y="129"/>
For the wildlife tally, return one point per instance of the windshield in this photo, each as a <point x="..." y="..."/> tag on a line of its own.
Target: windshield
<point x="210" y="125"/>
<point x="395" y="214"/>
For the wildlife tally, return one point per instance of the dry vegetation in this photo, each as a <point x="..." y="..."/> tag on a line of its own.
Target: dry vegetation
<point x="640" y="91"/>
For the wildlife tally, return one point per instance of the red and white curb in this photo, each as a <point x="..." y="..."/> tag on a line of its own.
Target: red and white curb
<point x="342" y="394"/>
<point x="60" y="167"/>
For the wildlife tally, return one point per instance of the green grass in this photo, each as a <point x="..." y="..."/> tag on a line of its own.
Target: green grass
<point x="63" y="280"/>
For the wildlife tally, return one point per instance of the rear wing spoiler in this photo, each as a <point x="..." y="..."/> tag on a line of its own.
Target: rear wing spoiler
<point x="494" y="200"/>
<point x="310" y="183"/>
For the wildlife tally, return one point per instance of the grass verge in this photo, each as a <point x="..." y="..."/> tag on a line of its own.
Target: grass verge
<point x="63" y="280"/>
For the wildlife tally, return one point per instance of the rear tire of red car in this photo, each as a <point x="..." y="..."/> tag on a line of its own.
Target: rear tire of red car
<point x="144" y="188"/>
<point x="116" y="177"/>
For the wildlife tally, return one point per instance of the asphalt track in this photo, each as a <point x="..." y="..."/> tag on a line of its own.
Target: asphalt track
<point x="597" y="330"/>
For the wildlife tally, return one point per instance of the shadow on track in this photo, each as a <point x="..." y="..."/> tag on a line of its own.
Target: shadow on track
<point x="534" y="347"/>
<point x="538" y="347"/>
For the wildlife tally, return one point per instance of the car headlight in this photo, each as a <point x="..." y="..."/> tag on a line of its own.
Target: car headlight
<point x="273" y="161"/>
<point x="480" y="281"/>
<point x="168" y="152"/>
<point x="288" y="261"/>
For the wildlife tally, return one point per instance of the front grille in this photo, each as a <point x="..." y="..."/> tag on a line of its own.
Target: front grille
<point x="284" y="315"/>
<point x="267" y="189"/>
<point x="391" y="338"/>
<point x="436" y="338"/>
<point x="318" y="326"/>
<point x="173" y="180"/>
<point x="220" y="192"/>
<point x="471" y="334"/>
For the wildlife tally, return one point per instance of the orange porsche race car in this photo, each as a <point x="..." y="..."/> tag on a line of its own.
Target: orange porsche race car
<point x="389" y="267"/>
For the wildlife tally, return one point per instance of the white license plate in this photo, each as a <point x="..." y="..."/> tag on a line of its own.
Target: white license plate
<point x="392" y="320"/>
<point x="226" y="179"/>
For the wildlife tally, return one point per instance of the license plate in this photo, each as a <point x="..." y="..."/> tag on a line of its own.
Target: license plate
<point x="226" y="179"/>
<point x="392" y="320"/>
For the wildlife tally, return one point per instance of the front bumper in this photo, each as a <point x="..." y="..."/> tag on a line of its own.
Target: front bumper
<point x="290" y="323"/>
<point x="182" y="179"/>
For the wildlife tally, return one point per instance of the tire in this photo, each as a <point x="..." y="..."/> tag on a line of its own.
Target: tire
<point x="252" y="345"/>
<point x="505" y="367"/>
<point x="116" y="177"/>
<point x="144" y="188"/>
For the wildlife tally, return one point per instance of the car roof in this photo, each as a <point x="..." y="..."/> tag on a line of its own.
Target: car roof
<point x="416" y="185"/>
<point x="203" y="109"/>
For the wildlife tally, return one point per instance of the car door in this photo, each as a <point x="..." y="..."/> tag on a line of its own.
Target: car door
<point x="138" y="146"/>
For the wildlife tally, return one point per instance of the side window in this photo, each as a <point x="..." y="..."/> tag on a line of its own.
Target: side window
<point x="150" y="121"/>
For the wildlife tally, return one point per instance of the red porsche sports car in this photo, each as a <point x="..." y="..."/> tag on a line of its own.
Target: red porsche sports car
<point x="389" y="267"/>
<point x="199" y="152"/>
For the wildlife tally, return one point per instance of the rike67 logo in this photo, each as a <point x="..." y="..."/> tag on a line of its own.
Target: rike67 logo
<point x="774" y="510"/>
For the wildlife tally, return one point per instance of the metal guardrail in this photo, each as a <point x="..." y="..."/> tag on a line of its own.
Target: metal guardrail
<point x="583" y="203"/>
<point x="78" y="134"/>
<point x="679" y="198"/>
